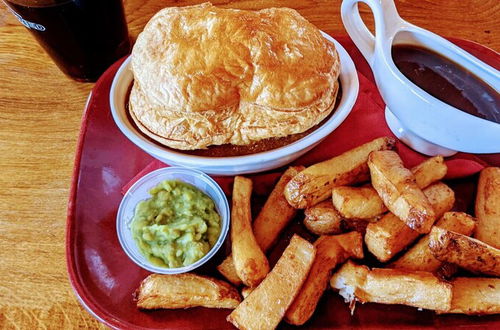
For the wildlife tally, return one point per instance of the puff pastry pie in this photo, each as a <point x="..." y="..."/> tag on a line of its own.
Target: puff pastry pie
<point x="210" y="76"/>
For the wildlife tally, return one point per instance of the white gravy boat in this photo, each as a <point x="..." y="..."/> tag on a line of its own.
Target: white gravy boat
<point x="425" y="123"/>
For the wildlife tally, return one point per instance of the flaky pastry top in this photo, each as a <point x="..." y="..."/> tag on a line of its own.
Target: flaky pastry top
<point x="209" y="76"/>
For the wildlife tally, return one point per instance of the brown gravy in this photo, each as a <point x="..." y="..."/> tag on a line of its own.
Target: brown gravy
<point x="447" y="81"/>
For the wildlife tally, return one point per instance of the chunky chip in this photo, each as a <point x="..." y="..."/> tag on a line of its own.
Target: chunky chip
<point x="365" y="203"/>
<point x="266" y="305"/>
<point x="270" y="222"/>
<point x="398" y="188"/>
<point x="323" y="219"/>
<point x="330" y="251"/>
<point x="488" y="207"/>
<point x="466" y="252"/>
<point x="387" y="237"/>
<point x="475" y="296"/>
<point x="420" y="257"/>
<point x="315" y="183"/>
<point x="249" y="261"/>
<point x="185" y="291"/>
<point x="391" y="286"/>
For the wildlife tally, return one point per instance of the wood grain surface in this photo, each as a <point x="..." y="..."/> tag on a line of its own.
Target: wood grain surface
<point x="40" y="113"/>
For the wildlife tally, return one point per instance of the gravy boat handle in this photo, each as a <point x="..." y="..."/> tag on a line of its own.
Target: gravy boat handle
<point x="387" y="23"/>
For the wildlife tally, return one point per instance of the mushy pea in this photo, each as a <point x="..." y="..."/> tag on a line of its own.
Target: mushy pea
<point x="177" y="226"/>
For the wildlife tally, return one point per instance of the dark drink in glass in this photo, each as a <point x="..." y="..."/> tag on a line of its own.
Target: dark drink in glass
<point x="83" y="37"/>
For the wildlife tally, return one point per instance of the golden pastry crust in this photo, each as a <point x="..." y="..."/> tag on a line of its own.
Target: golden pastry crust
<point x="210" y="76"/>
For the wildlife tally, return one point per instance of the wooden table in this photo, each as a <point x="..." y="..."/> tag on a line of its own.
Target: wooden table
<point x="40" y="112"/>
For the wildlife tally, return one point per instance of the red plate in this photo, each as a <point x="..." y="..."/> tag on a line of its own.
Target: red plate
<point x="103" y="277"/>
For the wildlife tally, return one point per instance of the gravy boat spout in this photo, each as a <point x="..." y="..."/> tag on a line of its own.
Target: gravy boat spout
<point x="422" y="121"/>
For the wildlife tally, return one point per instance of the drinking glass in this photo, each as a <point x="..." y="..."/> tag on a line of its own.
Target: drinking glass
<point x="83" y="37"/>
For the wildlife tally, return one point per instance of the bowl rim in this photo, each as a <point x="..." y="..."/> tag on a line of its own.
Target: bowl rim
<point x="350" y="87"/>
<point x="122" y="224"/>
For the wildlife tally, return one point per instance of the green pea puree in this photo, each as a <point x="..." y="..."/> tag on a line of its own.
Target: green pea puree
<point x="177" y="226"/>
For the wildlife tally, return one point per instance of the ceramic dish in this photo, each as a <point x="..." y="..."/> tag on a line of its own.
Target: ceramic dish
<point x="253" y="163"/>
<point x="140" y="191"/>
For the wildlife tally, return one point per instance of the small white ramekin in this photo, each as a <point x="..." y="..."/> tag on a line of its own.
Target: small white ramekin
<point x="140" y="191"/>
<point x="253" y="163"/>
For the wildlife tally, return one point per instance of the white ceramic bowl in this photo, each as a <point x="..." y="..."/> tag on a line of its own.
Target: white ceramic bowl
<point x="140" y="191"/>
<point x="253" y="163"/>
